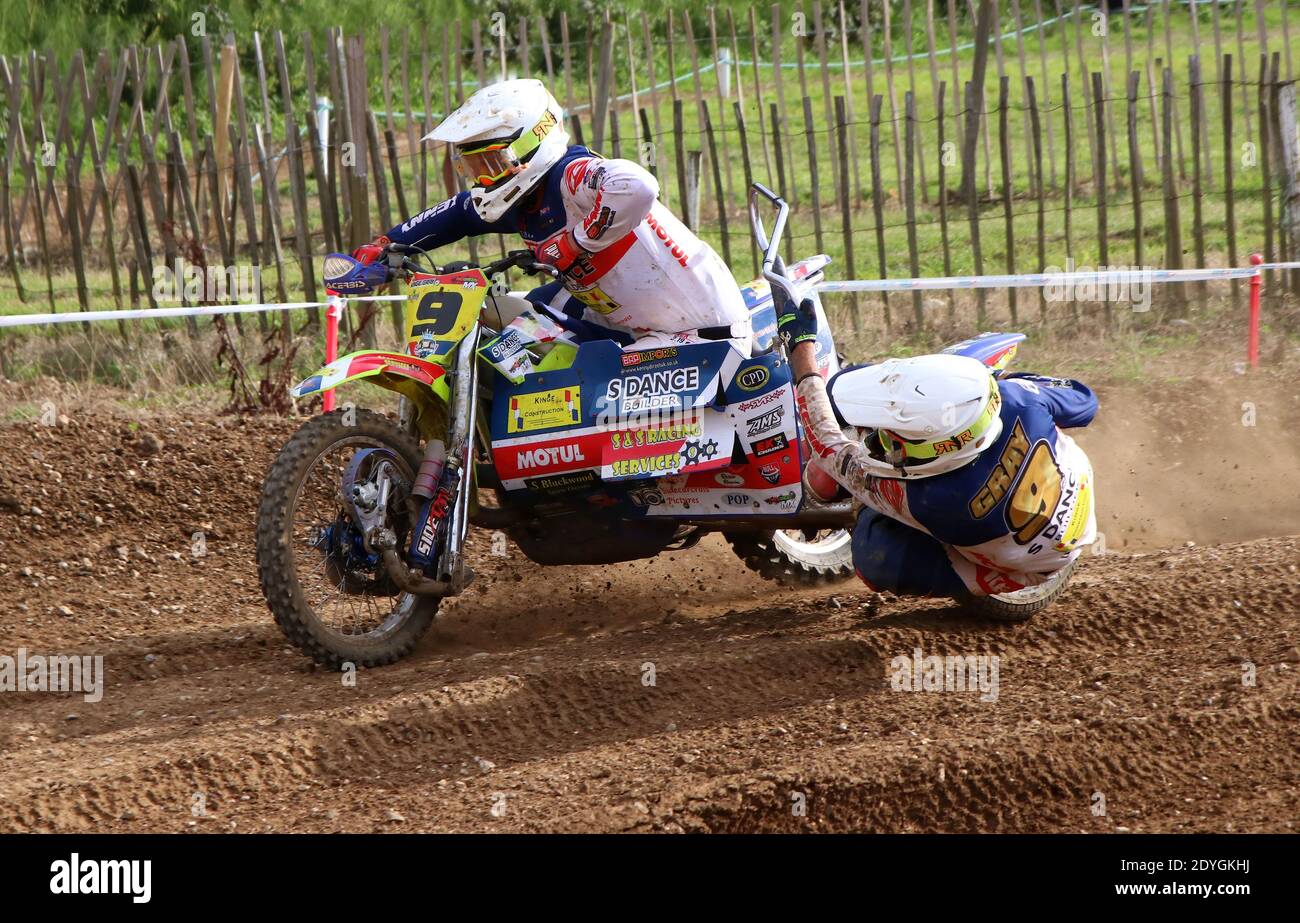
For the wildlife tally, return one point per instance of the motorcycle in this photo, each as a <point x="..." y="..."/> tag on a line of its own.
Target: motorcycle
<point x="584" y="454"/>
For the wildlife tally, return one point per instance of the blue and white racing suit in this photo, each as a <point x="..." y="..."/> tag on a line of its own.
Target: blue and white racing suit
<point x="642" y="275"/>
<point x="1013" y="517"/>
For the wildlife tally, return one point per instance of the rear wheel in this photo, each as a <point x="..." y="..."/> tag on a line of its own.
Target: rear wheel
<point x="1020" y="605"/>
<point x="795" y="557"/>
<point x="328" y="593"/>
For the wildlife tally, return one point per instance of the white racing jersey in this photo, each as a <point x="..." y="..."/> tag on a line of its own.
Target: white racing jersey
<point x="642" y="269"/>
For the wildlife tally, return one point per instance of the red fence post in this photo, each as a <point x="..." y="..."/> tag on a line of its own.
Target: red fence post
<point x="1252" y="334"/>
<point x="333" y="311"/>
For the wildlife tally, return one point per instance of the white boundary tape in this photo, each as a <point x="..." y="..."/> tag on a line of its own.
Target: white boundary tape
<point x="77" y="317"/>
<point x="1036" y="280"/>
<point x="1026" y="280"/>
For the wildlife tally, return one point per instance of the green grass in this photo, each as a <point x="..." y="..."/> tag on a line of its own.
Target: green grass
<point x="1083" y="244"/>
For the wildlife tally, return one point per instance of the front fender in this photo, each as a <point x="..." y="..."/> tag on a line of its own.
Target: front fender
<point x="422" y="381"/>
<point x="369" y="364"/>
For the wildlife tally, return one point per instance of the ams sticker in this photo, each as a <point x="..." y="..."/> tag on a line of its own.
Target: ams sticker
<point x="765" y="422"/>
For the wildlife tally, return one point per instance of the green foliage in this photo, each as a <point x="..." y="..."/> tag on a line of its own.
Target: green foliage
<point x="69" y="25"/>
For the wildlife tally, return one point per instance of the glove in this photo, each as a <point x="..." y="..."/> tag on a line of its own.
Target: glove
<point x="373" y="251"/>
<point x="351" y="276"/>
<point x="797" y="324"/>
<point x="560" y="250"/>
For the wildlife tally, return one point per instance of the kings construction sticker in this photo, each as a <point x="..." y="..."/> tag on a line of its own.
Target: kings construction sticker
<point x="543" y="410"/>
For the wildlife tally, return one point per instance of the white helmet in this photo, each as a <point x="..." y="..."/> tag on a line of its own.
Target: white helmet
<point x="928" y="414"/>
<point x="503" y="139"/>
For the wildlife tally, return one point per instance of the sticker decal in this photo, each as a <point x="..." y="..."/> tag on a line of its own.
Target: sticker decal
<point x="550" y="456"/>
<point x="562" y="483"/>
<point x="765" y="422"/>
<point x="773" y="443"/>
<point x="543" y="409"/>
<point x="752" y="378"/>
<point x="653" y="390"/>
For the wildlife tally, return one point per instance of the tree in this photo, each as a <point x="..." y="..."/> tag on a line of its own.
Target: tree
<point x="983" y="31"/>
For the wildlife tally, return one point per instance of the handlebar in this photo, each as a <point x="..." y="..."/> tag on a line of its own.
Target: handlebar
<point x="399" y="261"/>
<point x="521" y="259"/>
<point x="773" y="265"/>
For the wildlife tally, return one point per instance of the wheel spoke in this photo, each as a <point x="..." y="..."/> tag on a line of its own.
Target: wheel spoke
<point x="325" y="581"/>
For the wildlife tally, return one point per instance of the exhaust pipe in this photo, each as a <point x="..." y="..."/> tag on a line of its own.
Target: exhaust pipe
<point x="410" y="581"/>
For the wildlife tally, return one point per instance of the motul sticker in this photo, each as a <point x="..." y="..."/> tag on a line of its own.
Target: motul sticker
<point x="549" y="456"/>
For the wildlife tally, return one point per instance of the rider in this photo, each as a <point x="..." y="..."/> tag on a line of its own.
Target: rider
<point x="967" y="480"/>
<point x="630" y="270"/>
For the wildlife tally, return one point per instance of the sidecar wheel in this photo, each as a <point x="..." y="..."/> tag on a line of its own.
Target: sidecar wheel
<point x="794" y="559"/>
<point x="1020" y="605"/>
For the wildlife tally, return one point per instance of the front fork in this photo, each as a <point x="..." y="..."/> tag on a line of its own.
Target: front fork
<point x="448" y="507"/>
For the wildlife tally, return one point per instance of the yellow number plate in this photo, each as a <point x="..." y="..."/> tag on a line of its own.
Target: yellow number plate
<point x="440" y="310"/>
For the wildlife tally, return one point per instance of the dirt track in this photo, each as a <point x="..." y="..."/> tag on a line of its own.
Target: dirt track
<point x="525" y="707"/>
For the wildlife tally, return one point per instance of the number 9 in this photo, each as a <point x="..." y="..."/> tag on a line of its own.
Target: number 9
<point x="1036" y="494"/>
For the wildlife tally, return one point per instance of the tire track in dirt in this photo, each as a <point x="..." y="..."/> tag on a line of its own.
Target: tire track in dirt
<point x="501" y="716"/>
<point x="756" y="669"/>
<point x="525" y="707"/>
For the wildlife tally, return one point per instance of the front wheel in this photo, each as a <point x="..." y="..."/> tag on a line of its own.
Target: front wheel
<point x="327" y="591"/>
<point x="797" y="557"/>
<point x="1019" y="605"/>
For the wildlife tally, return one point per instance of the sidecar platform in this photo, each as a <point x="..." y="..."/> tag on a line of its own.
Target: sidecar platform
<point x="679" y="431"/>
